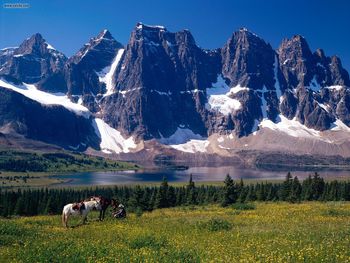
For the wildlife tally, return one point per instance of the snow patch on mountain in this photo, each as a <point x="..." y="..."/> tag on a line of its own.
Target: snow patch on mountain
<point x="49" y="46"/>
<point x="192" y="146"/>
<point x="293" y="128"/>
<point x="277" y="82"/>
<point x="31" y="92"/>
<point x="106" y="75"/>
<point x="219" y="97"/>
<point x="314" y="85"/>
<point x="264" y="103"/>
<point x="111" y="139"/>
<point x="338" y="125"/>
<point x="185" y="140"/>
<point x="181" y="135"/>
<point x="335" y="87"/>
<point x="237" y="89"/>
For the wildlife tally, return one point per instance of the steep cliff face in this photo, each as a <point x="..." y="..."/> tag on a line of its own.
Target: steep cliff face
<point x="165" y="82"/>
<point x="162" y="86"/>
<point x="160" y="83"/>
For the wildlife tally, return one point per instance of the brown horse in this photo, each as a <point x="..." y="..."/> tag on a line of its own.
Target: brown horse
<point x="105" y="203"/>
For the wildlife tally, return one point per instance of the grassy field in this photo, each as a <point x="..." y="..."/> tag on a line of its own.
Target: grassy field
<point x="262" y="232"/>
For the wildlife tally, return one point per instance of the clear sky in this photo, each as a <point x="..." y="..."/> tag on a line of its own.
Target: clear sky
<point x="68" y="24"/>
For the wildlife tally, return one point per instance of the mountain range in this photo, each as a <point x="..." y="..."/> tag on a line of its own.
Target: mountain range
<point x="162" y="97"/>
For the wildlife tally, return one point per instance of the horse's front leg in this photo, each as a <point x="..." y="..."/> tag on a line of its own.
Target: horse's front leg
<point x="66" y="217"/>
<point x="84" y="219"/>
<point x="100" y="217"/>
<point x="103" y="214"/>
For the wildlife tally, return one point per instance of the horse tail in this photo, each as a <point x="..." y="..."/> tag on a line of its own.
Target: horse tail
<point x="64" y="217"/>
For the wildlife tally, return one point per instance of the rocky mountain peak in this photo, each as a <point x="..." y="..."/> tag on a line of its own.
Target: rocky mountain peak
<point x="36" y="44"/>
<point x="143" y="27"/>
<point x="32" y="61"/>
<point x="83" y="72"/>
<point x="105" y="34"/>
<point x="247" y="60"/>
<point x="296" y="46"/>
<point x="339" y="75"/>
<point x="243" y="31"/>
<point x="97" y="46"/>
<point x="296" y="60"/>
<point x="320" y="54"/>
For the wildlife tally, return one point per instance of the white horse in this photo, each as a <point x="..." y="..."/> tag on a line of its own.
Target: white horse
<point x="69" y="211"/>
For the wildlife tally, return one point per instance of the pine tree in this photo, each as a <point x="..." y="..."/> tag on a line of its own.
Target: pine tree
<point x="171" y="196"/>
<point x="136" y="201"/>
<point x="295" y="193"/>
<point x="229" y="192"/>
<point x="285" y="190"/>
<point x="306" y="193"/>
<point x="191" y="192"/>
<point x="162" y="195"/>
<point x="20" y="206"/>
<point x="317" y="186"/>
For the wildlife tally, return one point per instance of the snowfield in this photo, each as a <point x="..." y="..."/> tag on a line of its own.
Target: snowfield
<point x="106" y="75"/>
<point x="219" y="97"/>
<point x="293" y="128"/>
<point x="111" y="139"/>
<point x="31" y="92"/>
<point x="183" y="139"/>
<point x="186" y="140"/>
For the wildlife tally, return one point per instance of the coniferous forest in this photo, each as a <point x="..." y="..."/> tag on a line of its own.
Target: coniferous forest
<point x="146" y="198"/>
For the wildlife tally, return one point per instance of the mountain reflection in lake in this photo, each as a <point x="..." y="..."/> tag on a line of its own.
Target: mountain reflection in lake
<point x="200" y="174"/>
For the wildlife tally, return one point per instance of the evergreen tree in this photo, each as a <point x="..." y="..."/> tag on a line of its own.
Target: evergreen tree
<point x="285" y="190"/>
<point x="20" y="206"/>
<point x="306" y="193"/>
<point x="317" y="187"/>
<point x="251" y="194"/>
<point x="50" y="207"/>
<point x="162" y="195"/>
<point x="229" y="192"/>
<point x="171" y="196"/>
<point x="137" y="201"/>
<point x="295" y="193"/>
<point x="191" y="192"/>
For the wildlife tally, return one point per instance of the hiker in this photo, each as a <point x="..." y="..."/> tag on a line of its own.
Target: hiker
<point x="121" y="213"/>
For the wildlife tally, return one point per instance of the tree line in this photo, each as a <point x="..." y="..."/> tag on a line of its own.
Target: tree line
<point x="146" y="198"/>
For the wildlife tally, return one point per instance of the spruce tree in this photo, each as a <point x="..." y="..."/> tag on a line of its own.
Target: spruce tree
<point x="285" y="190"/>
<point x="191" y="192"/>
<point x="229" y="192"/>
<point x="162" y="195"/>
<point x="136" y="202"/>
<point x="295" y="193"/>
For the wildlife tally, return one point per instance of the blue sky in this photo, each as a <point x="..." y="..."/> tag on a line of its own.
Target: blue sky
<point x="68" y="24"/>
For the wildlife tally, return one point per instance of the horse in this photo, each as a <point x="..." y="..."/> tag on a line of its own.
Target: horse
<point x="105" y="202"/>
<point x="69" y="211"/>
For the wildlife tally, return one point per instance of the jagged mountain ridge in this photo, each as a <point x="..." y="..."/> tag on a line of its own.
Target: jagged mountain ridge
<point x="162" y="84"/>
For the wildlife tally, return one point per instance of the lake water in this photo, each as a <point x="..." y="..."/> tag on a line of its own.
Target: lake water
<point x="200" y="174"/>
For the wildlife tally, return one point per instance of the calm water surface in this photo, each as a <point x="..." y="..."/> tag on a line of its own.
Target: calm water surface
<point x="200" y="174"/>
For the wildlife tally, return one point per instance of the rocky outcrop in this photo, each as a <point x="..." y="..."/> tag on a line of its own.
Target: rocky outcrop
<point x="32" y="61"/>
<point x="248" y="61"/>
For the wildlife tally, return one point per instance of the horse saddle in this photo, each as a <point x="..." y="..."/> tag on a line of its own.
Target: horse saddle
<point x="78" y="206"/>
